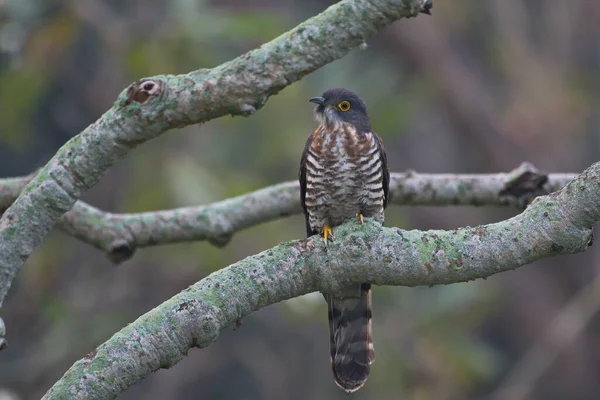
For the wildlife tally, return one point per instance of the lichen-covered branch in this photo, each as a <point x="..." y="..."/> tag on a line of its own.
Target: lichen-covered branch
<point x="151" y="106"/>
<point x="119" y="235"/>
<point x="558" y="223"/>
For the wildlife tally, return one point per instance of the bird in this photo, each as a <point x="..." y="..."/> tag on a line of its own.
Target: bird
<point x="343" y="174"/>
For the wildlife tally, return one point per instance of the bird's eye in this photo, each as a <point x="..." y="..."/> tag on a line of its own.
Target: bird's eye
<point x="344" y="106"/>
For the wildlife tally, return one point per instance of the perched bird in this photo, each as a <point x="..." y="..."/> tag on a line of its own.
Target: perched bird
<point x="343" y="174"/>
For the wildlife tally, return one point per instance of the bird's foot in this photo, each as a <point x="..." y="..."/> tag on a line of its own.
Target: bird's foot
<point x="327" y="232"/>
<point x="361" y="218"/>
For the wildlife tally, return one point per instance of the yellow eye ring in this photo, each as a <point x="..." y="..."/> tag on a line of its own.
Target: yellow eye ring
<point x="344" y="106"/>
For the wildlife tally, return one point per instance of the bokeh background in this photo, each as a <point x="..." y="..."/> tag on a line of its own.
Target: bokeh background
<point x="479" y="87"/>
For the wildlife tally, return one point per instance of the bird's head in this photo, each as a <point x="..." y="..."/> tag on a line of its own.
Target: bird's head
<point x="336" y="106"/>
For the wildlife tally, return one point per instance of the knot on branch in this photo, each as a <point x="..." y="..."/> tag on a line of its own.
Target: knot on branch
<point x="142" y="90"/>
<point x="220" y="240"/>
<point x="120" y="251"/>
<point x="427" y="6"/>
<point x="3" y="342"/>
<point x="206" y="325"/>
<point x="524" y="183"/>
<point x="247" y="109"/>
<point x="420" y="6"/>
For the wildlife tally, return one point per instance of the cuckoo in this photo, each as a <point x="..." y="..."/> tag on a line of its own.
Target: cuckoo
<point x="343" y="174"/>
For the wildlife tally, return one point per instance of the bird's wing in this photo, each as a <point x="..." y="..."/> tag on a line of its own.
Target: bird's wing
<point x="384" y="169"/>
<point x="302" y="179"/>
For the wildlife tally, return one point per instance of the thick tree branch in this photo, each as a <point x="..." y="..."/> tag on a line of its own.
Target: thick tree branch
<point x="558" y="223"/>
<point x="151" y="106"/>
<point x="119" y="235"/>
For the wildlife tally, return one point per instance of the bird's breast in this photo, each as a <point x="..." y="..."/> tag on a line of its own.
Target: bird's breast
<point x="343" y="173"/>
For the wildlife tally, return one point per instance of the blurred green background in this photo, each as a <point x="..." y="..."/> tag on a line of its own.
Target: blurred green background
<point x="479" y="87"/>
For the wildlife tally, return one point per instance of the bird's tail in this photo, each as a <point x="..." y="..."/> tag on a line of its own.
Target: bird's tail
<point x="351" y="337"/>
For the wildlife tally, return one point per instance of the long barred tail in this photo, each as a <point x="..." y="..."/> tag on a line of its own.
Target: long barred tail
<point x="351" y="337"/>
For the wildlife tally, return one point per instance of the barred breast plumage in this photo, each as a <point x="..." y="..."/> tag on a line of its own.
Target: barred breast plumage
<point x="343" y="174"/>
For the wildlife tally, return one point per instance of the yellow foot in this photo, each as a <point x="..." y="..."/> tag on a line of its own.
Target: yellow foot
<point x="326" y="233"/>
<point x="361" y="218"/>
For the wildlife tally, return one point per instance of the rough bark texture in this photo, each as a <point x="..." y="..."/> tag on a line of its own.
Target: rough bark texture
<point x="151" y="106"/>
<point x="119" y="235"/>
<point x="558" y="223"/>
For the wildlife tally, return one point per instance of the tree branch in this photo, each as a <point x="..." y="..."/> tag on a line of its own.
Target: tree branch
<point x="151" y="106"/>
<point x="119" y="235"/>
<point x="559" y="223"/>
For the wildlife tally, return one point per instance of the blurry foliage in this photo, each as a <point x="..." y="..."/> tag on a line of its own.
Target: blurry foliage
<point x="63" y="63"/>
<point x="19" y="90"/>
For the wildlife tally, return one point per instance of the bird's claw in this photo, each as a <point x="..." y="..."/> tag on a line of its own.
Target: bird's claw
<point x="327" y="232"/>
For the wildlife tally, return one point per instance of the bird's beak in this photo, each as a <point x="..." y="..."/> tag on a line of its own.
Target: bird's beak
<point x="318" y="100"/>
